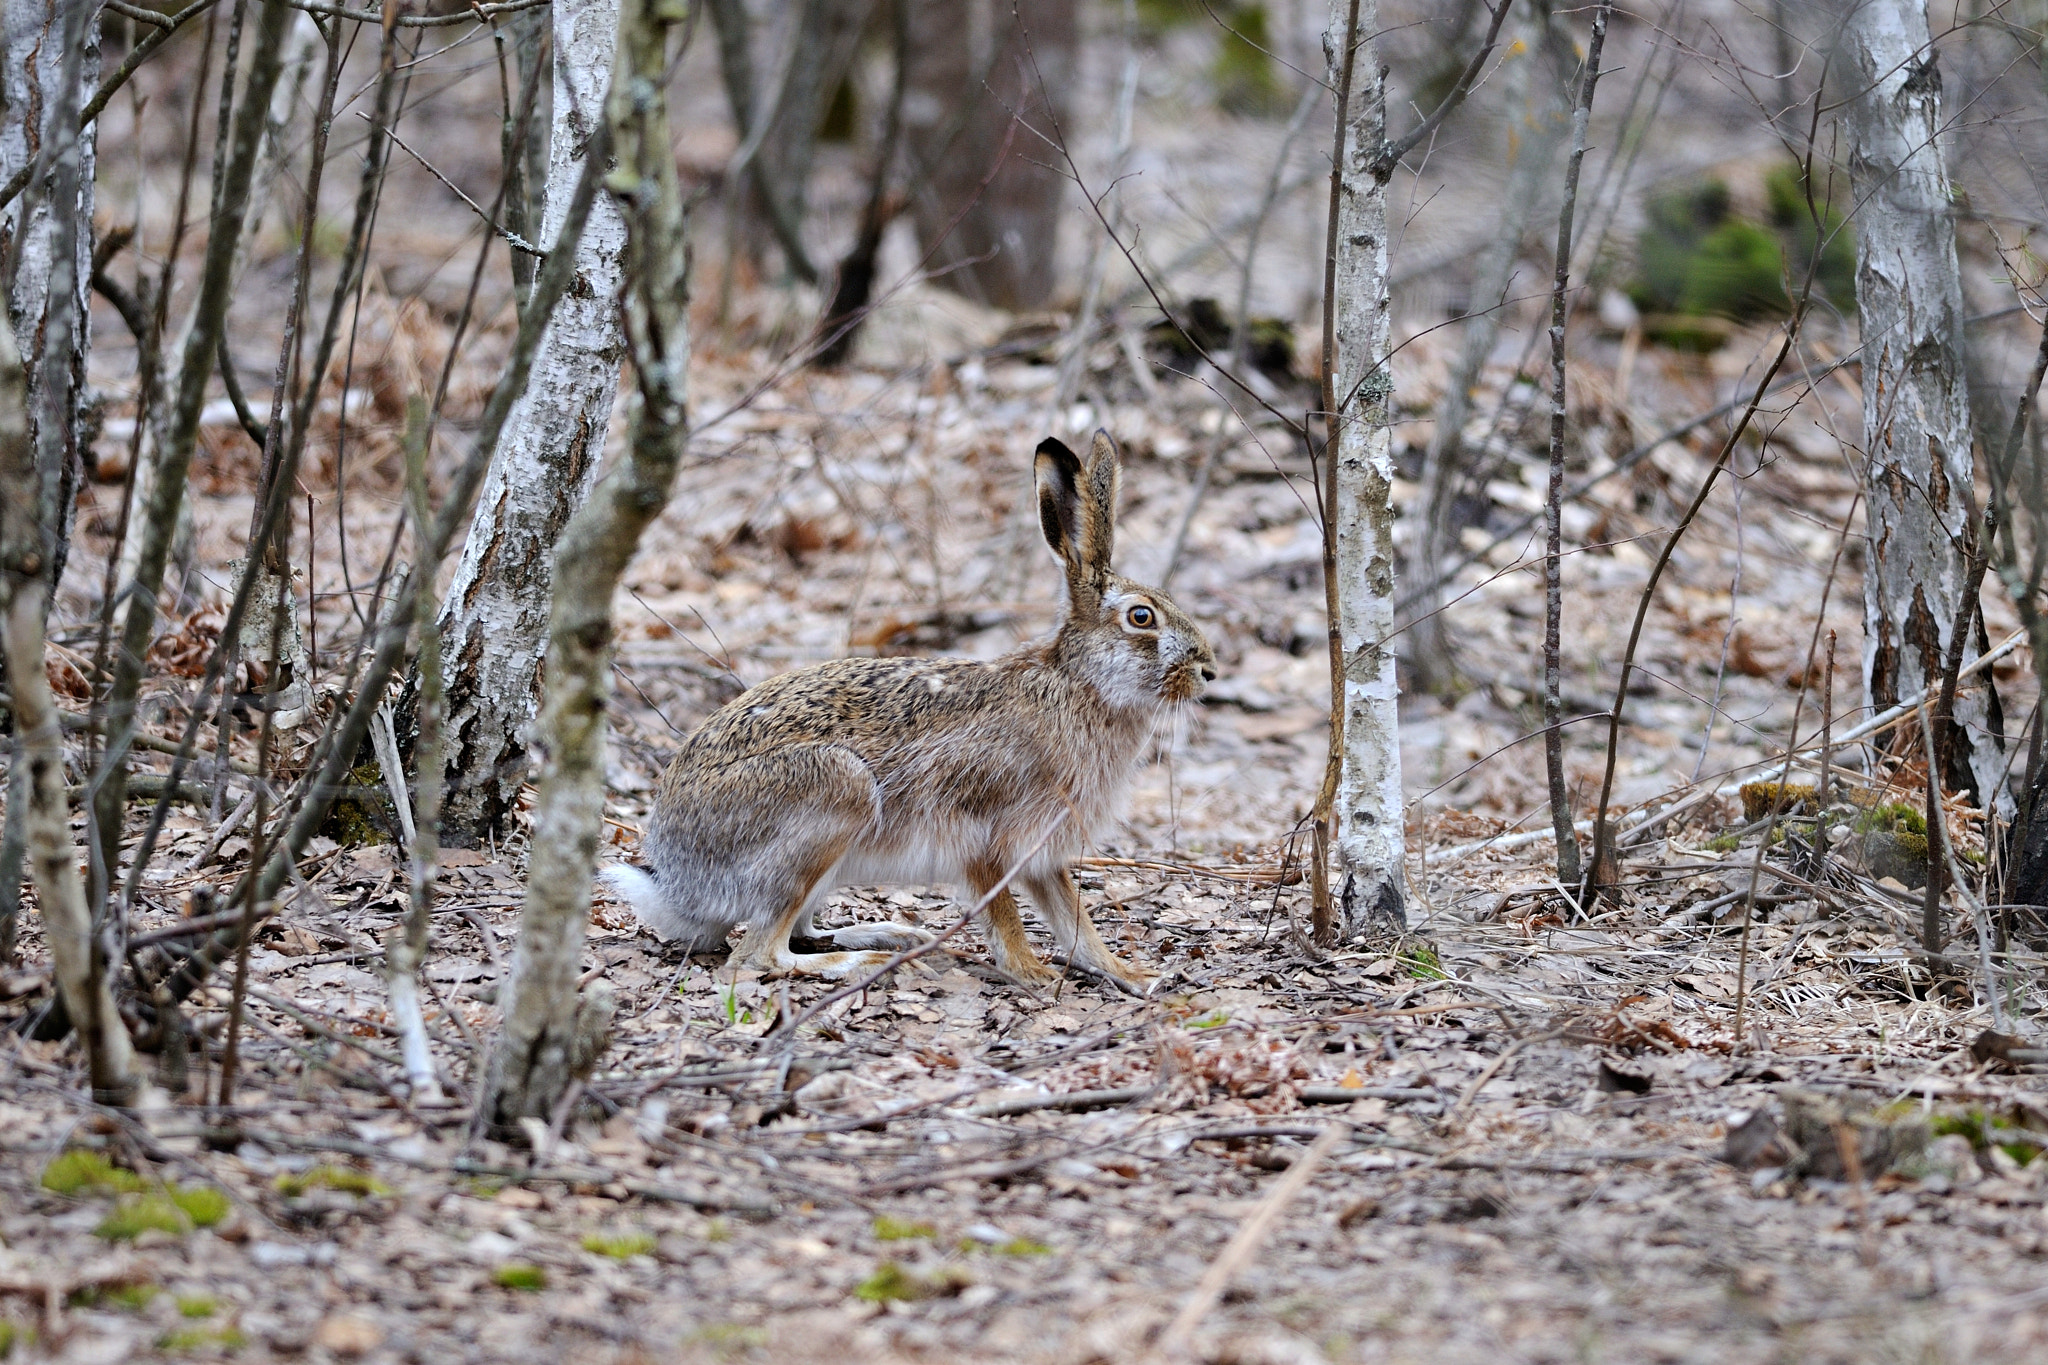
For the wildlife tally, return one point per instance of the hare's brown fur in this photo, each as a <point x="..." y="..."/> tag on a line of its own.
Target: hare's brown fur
<point x="867" y="771"/>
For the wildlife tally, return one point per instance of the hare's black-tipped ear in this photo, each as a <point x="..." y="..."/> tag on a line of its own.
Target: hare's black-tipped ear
<point x="1098" y="524"/>
<point x="1058" y="472"/>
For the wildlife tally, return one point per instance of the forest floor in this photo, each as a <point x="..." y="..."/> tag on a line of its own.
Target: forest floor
<point x="1675" y="1131"/>
<point x="1534" y="1160"/>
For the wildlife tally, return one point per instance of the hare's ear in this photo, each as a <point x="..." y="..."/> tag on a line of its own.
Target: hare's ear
<point x="1098" y="508"/>
<point x="1060" y="514"/>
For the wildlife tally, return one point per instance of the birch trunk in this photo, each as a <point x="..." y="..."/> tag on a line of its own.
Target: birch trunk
<point x="552" y="1036"/>
<point x="494" y="621"/>
<point x="1916" y="407"/>
<point x="78" y="959"/>
<point x="1368" y="798"/>
<point x="49" y="58"/>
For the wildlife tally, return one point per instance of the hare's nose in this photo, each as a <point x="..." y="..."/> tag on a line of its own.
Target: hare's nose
<point x="1208" y="673"/>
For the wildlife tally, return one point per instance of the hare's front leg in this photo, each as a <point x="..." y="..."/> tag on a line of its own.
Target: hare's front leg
<point x="1059" y="900"/>
<point x="1006" y="941"/>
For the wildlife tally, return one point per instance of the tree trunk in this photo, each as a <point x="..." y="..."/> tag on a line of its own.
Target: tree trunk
<point x="49" y="58"/>
<point x="1539" y="112"/>
<point x="550" y="1037"/>
<point x="1916" y="411"/>
<point x="494" y="622"/>
<point x="76" y="955"/>
<point x="984" y="194"/>
<point x="1368" y="798"/>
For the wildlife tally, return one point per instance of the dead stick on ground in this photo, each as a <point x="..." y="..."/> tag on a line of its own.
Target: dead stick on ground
<point x="1174" y="1343"/>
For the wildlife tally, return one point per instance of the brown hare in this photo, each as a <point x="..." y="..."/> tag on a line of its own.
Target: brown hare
<point x="872" y="771"/>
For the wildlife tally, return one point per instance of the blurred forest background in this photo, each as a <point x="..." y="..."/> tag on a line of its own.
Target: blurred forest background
<point x="1749" y="1066"/>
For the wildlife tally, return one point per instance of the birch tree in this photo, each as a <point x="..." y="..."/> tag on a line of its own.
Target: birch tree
<point x="494" y="620"/>
<point x="552" y="1034"/>
<point x="1360" y="483"/>
<point x="1361" y="792"/>
<point x="1916" y="409"/>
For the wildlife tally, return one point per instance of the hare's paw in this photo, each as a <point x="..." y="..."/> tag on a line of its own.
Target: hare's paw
<point x="897" y="938"/>
<point x="835" y="965"/>
<point x="1027" y="970"/>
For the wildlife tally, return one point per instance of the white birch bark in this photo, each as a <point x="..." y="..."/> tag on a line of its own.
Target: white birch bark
<point x="1369" y="806"/>
<point x="495" y="618"/>
<point x="1916" y="406"/>
<point x="34" y="45"/>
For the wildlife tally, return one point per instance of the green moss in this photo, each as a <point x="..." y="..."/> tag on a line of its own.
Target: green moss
<point x="136" y="1214"/>
<point x="1894" y="817"/>
<point x="1213" y="1019"/>
<point x="363" y="813"/>
<point x="889" y="1229"/>
<point x="203" y="1204"/>
<point x="891" y="1281"/>
<point x="1421" y="962"/>
<point x="1244" y="74"/>
<point x="1023" y="1246"/>
<point x="1759" y="798"/>
<point x="81" y="1172"/>
<point x="12" y="1334"/>
<point x="530" y="1279"/>
<point x="620" y="1246"/>
<point x="1723" y="843"/>
<point x="201" y="1339"/>
<point x="1985" y="1130"/>
<point x="729" y="1337"/>
<point x="717" y="1231"/>
<point x="197" y="1305"/>
<point x="124" y="1298"/>
<point x="346" y="1179"/>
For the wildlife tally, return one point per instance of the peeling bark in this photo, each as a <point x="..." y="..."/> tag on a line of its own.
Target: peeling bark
<point x="1916" y="406"/>
<point x="494" y="622"/>
<point x="552" y="1035"/>
<point x="1368" y="801"/>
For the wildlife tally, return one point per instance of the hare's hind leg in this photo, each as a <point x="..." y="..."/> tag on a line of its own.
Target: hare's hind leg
<point x="766" y="946"/>
<point x="1006" y="941"/>
<point x="1059" y="900"/>
<point x="813" y="800"/>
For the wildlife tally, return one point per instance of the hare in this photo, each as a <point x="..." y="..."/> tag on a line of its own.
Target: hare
<point x="865" y="771"/>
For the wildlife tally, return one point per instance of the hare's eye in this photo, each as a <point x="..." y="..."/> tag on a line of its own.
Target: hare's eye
<point x="1142" y="617"/>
